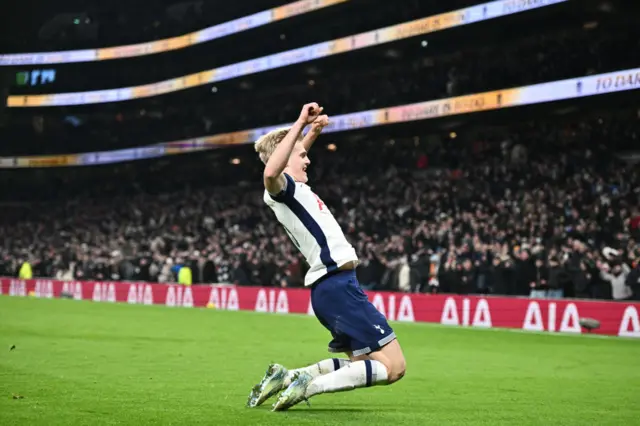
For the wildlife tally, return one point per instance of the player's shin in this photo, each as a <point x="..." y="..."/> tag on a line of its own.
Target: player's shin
<point x="358" y="374"/>
<point x="318" y="369"/>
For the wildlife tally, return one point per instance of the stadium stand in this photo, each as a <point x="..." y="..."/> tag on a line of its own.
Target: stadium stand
<point x="473" y="211"/>
<point x="534" y="201"/>
<point x="76" y="25"/>
<point x="413" y="77"/>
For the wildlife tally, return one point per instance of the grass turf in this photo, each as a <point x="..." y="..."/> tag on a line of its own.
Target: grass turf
<point x="89" y="363"/>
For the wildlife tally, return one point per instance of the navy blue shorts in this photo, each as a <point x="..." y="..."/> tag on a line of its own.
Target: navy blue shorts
<point x="355" y="324"/>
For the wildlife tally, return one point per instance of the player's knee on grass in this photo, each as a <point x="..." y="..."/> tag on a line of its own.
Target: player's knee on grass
<point x="397" y="370"/>
<point x="392" y="358"/>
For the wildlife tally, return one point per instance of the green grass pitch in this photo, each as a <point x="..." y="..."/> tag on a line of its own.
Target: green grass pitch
<point x="84" y="363"/>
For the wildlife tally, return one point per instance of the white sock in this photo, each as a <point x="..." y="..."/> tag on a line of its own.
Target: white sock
<point x="357" y="374"/>
<point x="318" y="369"/>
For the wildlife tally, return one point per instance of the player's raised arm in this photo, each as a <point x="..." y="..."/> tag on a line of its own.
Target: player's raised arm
<point x="316" y="128"/>
<point x="276" y="157"/>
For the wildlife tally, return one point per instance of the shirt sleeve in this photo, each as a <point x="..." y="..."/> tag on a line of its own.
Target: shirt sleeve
<point x="287" y="191"/>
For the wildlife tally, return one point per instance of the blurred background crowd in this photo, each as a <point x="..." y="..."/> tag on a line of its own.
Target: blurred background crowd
<point x="542" y="201"/>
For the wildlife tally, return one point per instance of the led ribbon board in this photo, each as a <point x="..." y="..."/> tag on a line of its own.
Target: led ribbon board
<point x="174" y="43"/>
<point x="619" y="81"/>
<point x="466" y="16"/>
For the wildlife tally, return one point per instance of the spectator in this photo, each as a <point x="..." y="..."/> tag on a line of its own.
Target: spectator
<point x="617" y="277"/>
<point x="540" y="284"/>
<point x="633" y="281"/>
<point x="526" y="277"/>
<point x="558" y="278"/>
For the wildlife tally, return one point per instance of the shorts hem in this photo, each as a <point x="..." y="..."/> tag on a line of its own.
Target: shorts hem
<point x="381" y="343"/>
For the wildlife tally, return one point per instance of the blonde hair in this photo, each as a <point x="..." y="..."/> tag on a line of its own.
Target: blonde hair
<point x="268" y="143"/>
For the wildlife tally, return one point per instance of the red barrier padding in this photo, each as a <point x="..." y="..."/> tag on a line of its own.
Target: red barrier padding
<point x="561" y="315"/>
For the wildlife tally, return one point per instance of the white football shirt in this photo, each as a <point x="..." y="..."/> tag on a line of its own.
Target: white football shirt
<point x="312" y="228"/>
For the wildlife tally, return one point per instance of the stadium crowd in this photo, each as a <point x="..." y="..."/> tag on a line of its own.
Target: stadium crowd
<point x="538" y="208"/>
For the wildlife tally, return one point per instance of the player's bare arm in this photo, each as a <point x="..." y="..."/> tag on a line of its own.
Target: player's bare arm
<point x="273" y="179"/>
<point x="316" y="128"/>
